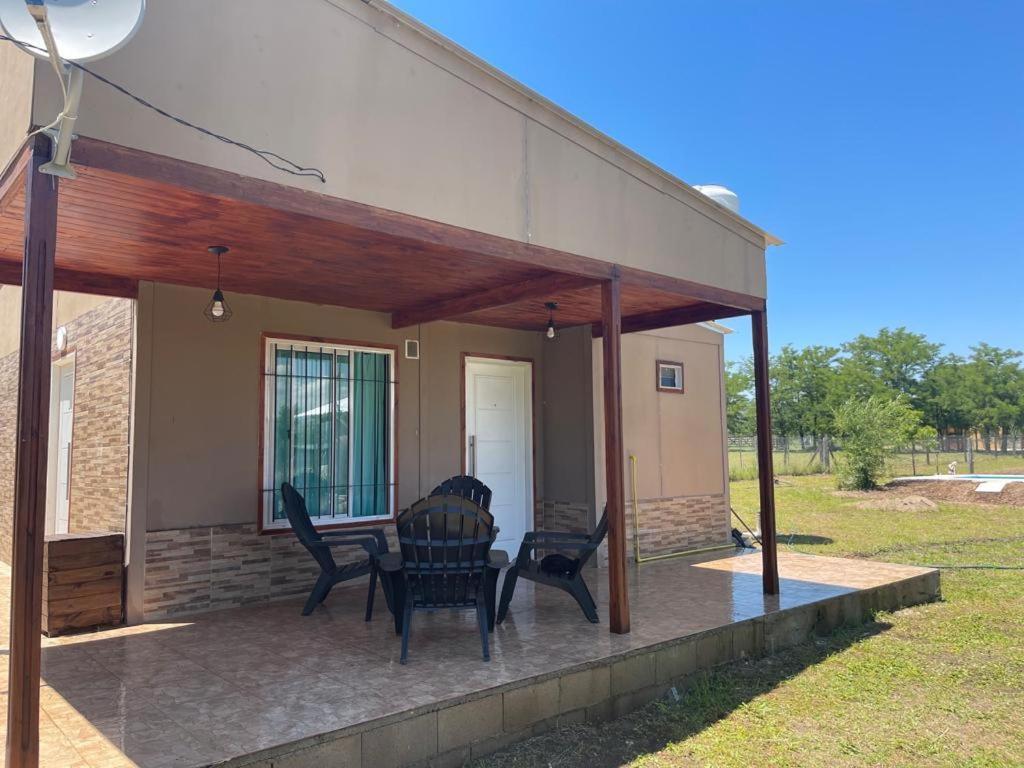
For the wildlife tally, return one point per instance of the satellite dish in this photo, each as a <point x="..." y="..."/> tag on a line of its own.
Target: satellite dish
<point x="84" y="30"/>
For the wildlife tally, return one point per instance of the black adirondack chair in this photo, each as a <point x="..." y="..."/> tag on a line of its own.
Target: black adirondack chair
<point x="468" y="488"/>
<point x="320" y="546"/>
<point x="445" y="541"/>
<point x="556" y="569"/>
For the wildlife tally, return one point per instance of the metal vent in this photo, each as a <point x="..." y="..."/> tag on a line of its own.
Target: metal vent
<point x="412" y="349"/>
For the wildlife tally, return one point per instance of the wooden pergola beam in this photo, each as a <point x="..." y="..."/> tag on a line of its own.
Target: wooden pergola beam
<point x="614" y="455"/>
<point x="30" y="460"/>
<point x="543" y="286"/>
<point x="667" y="318"/>
<point x="95" y="153"/>
<point x="765" y="464"/>
<point x="381" y="222"/>
<point x="77" y="282"/>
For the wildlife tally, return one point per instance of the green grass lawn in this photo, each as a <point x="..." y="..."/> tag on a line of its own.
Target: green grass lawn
<point x="935" y="685"/>
<point x="743" y="464"/>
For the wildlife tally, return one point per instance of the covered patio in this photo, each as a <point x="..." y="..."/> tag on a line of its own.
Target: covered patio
<point x="222" y="688"/>
<point x="134" y="218"/>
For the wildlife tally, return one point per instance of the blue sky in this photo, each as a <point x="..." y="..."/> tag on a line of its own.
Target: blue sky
<point x="882" y="140"/>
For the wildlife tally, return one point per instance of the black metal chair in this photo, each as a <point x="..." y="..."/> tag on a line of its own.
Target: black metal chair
<point x="445" y="542"/>
<point x="556" y="569"/>
<point x="468" y="488"/>
<point x="320" y="546"/>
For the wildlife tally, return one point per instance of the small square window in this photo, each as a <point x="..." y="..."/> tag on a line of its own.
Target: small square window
<point x="670" y="376"/>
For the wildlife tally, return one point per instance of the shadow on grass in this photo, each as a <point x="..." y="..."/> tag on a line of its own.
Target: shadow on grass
<point x="703" y="699"/>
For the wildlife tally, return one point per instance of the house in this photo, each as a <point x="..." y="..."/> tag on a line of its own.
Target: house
<point x="537" y="206"/>
<point x="388" y="300"/>
<point x="560" y="471"/>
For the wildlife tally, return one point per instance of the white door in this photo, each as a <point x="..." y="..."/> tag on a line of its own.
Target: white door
<point x="65" y="416"/>
<point x="499" y="442"/>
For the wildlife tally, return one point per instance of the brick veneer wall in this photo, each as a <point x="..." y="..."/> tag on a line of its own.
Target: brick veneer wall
<point x="101" y="340"/>
<point x="208" y="568"/>
<point x="8" y="414"/>
<point x="679" y="524"/>
<point x="666" y="525"/>
<point x="562" y="516"/>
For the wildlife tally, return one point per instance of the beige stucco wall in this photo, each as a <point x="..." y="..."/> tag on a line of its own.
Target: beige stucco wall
<point x="406" y="121"/>
<point x="201" y="450"/>
<point x="15" y="99"/>
<point x="568" y="419"/>
<point x="66" y="307"/>
<point x="678" y="439"/>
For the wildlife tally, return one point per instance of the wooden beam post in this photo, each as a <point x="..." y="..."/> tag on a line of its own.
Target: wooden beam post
<point x="765" y="468"/>
<point x="614" y="455"/>
<point x="30" y="460"/>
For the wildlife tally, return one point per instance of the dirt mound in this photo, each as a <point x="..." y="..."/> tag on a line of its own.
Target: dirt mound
<point x="890" y="502"/>
<point x="962" y="491"/>
<point x="893" y="503"/>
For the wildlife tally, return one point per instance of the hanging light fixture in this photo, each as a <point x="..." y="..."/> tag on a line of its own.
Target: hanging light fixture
<point x="218" y="311"/>
<point x="552" y="306"/>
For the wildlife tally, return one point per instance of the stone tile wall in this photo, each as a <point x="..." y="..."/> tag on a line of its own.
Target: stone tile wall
<point x="561" y="516"/>
<point x="200" y="569"/>
<point x="679" y="524"/>
<point x="101" y="340"/>
<point x="208" y="568"/>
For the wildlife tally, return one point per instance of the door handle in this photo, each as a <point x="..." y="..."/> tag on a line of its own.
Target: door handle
<point x="472" y="455"/>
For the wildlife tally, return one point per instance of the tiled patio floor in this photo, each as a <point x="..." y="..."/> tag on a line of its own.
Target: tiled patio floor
<point x="220" y="685"/>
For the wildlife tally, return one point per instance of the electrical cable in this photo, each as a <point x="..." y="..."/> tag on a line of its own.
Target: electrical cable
<point x="272" y="159"/>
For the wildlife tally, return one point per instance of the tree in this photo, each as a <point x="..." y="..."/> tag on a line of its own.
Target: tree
<point x="803" y="390"/>
<point x="739" y="405"/>
<point x="872" y="429"/>
<point x="947" y="395"/>
<point x="891" y="362"/>
<point x="995" y="380"/>
<point x="785" y="393"/>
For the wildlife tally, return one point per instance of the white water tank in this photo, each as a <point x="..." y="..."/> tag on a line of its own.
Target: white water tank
<point x="721" y="195"/>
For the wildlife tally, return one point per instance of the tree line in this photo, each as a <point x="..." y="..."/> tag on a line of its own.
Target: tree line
<point x="981" y="393"/>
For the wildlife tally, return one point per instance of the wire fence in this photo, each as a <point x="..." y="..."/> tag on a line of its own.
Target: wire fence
<point x="793" y="455"/>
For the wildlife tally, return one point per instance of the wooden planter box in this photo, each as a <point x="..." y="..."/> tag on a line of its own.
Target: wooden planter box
<point x="83" y="581"/>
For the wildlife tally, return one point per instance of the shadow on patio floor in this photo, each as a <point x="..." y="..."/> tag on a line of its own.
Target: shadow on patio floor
<point x="706" y="698"/>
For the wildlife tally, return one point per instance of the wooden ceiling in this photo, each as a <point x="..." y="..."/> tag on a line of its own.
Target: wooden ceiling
<point x="148" y="218"/>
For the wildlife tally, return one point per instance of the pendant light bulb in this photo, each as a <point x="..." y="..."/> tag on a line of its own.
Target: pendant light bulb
<point x="551" y="332"/>
<point x="217" y="311"/>
<point x="217" y="308"/>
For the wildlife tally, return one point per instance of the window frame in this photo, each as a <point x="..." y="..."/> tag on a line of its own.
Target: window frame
<point x="264" y="522"/>
<point x="658" y="365"/>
